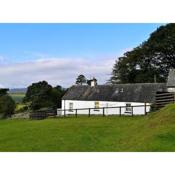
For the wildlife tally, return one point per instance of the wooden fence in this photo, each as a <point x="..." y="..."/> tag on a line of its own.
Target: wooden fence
<point x="63" y="112"/>
<point x="164" y="98"/>
<point x="38" y="115"/>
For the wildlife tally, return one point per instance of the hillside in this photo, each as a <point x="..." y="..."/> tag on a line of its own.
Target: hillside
<point x="155" y="132"/>
<point x="17" y="94"/>
<point x="18" y="90"/>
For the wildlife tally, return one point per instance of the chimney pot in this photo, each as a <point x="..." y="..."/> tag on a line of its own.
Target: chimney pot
<point x="93" y="82"/>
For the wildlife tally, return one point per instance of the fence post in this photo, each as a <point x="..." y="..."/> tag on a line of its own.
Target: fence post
<point x="145" y="109"/>
<point x="132" y="110"/>
<point x="64" y="112"/>
<point x="89" y="112"/>
<point x="76" y="112"/>
<point x="120" y="111"/>
<point x="103" y="111"/>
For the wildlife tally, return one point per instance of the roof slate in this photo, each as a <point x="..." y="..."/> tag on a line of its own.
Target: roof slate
<point x="140" y="92"/>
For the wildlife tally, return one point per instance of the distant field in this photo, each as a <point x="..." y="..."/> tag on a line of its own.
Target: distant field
<point x="18" y="97"/>
<point x="156" y="132"/>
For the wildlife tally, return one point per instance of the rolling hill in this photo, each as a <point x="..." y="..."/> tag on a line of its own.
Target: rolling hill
<point x="155" y="132"/>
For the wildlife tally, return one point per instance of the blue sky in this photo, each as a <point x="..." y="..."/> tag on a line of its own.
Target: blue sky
<point x="61" y="44"/>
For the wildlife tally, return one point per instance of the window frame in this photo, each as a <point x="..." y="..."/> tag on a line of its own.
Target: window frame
<point x="96" y="106"/>
<point x="128" y="108"/>
<point x="71" y="106"/>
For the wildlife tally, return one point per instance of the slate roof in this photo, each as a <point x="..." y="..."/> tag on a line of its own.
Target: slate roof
<point x="141" y="92"/>
<point x="171" y="78"/>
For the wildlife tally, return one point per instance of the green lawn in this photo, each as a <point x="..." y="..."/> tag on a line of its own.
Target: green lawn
<point x="155" y="132"/>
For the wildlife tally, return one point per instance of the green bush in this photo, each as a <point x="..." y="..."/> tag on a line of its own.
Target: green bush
<point x="42" y="95"/>
<point x="21" y="108"/>
<point x="7" y="106"/>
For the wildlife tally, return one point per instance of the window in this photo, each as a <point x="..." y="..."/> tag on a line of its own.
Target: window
<point x="118" y="90"/>
<point x="128" y="108"/>
<point x="70" y="107"/>
<point x="121" y="90"/>
<point x="97" y="105"/>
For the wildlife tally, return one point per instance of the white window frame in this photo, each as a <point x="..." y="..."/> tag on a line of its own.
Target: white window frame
<point x="128" y="108"/>
<point x="71" y="107"/>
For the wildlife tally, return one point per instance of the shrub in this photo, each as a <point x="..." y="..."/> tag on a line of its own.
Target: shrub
<point x="7" y="106"/>
<point x="21" y="108"/>
<point x="42" y="95"/>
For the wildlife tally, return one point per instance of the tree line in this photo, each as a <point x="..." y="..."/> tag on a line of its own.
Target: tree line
<point x="150" y="61"/>
<point x="38" y="96"/>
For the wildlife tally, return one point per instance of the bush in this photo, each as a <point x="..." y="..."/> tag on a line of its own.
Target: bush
<point x="7" y="106"/>
<point x="42" y="95"/>
<point x="21" y="108"/>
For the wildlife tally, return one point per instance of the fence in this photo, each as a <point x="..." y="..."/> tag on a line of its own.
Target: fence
<point x="164" y="98"/>
<point x="42" y="114"/>
<point x="120" y="110"/>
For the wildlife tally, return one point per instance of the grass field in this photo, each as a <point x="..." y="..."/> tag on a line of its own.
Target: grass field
<point x="18" y="97"/>
<point x="155" y="132"/>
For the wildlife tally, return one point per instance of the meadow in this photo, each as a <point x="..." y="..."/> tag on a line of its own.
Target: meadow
<point x="155" y="132"/>
<point x="17" y="97"/>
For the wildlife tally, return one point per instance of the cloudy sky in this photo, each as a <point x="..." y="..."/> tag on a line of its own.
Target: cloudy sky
<point x="58" y="53"/>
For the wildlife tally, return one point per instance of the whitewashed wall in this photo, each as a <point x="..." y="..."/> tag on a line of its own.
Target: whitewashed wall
<point x="172" y="89"/>
<point x="110" y="111"/>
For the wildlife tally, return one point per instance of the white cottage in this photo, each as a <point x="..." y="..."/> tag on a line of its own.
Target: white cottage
<point x="102" y="96"/>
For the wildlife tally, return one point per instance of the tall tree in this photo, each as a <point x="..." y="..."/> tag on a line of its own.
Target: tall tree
<point x="81" y="79"/>
<point x="153" y="58"/>
<point x="43" y="95"/>
<point x="57" y="94"/>
<point x="7" y="104"/>
<point x="3" y="91"/>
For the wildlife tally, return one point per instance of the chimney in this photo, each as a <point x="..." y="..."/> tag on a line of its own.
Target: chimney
<point x="93" y="82"/>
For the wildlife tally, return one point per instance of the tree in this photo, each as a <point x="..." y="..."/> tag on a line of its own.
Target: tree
<point x="153" y="58"/>
<point x="41" y="88"/>
<point x="7" y="106"/>
<point x="43" y="95"/>
<point x="3" y="91"/>
<point x="57" y="94"/>
<point x="80" y="79"/>
<point x="89" y="82"/>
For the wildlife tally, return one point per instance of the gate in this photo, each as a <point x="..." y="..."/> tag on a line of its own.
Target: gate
<point x="164" y="98"/>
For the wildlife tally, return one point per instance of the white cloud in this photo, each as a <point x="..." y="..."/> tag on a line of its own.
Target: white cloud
<point x="1" y="86"/>
<point x="2" y="59"/>
<point x="57" y="71"/>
